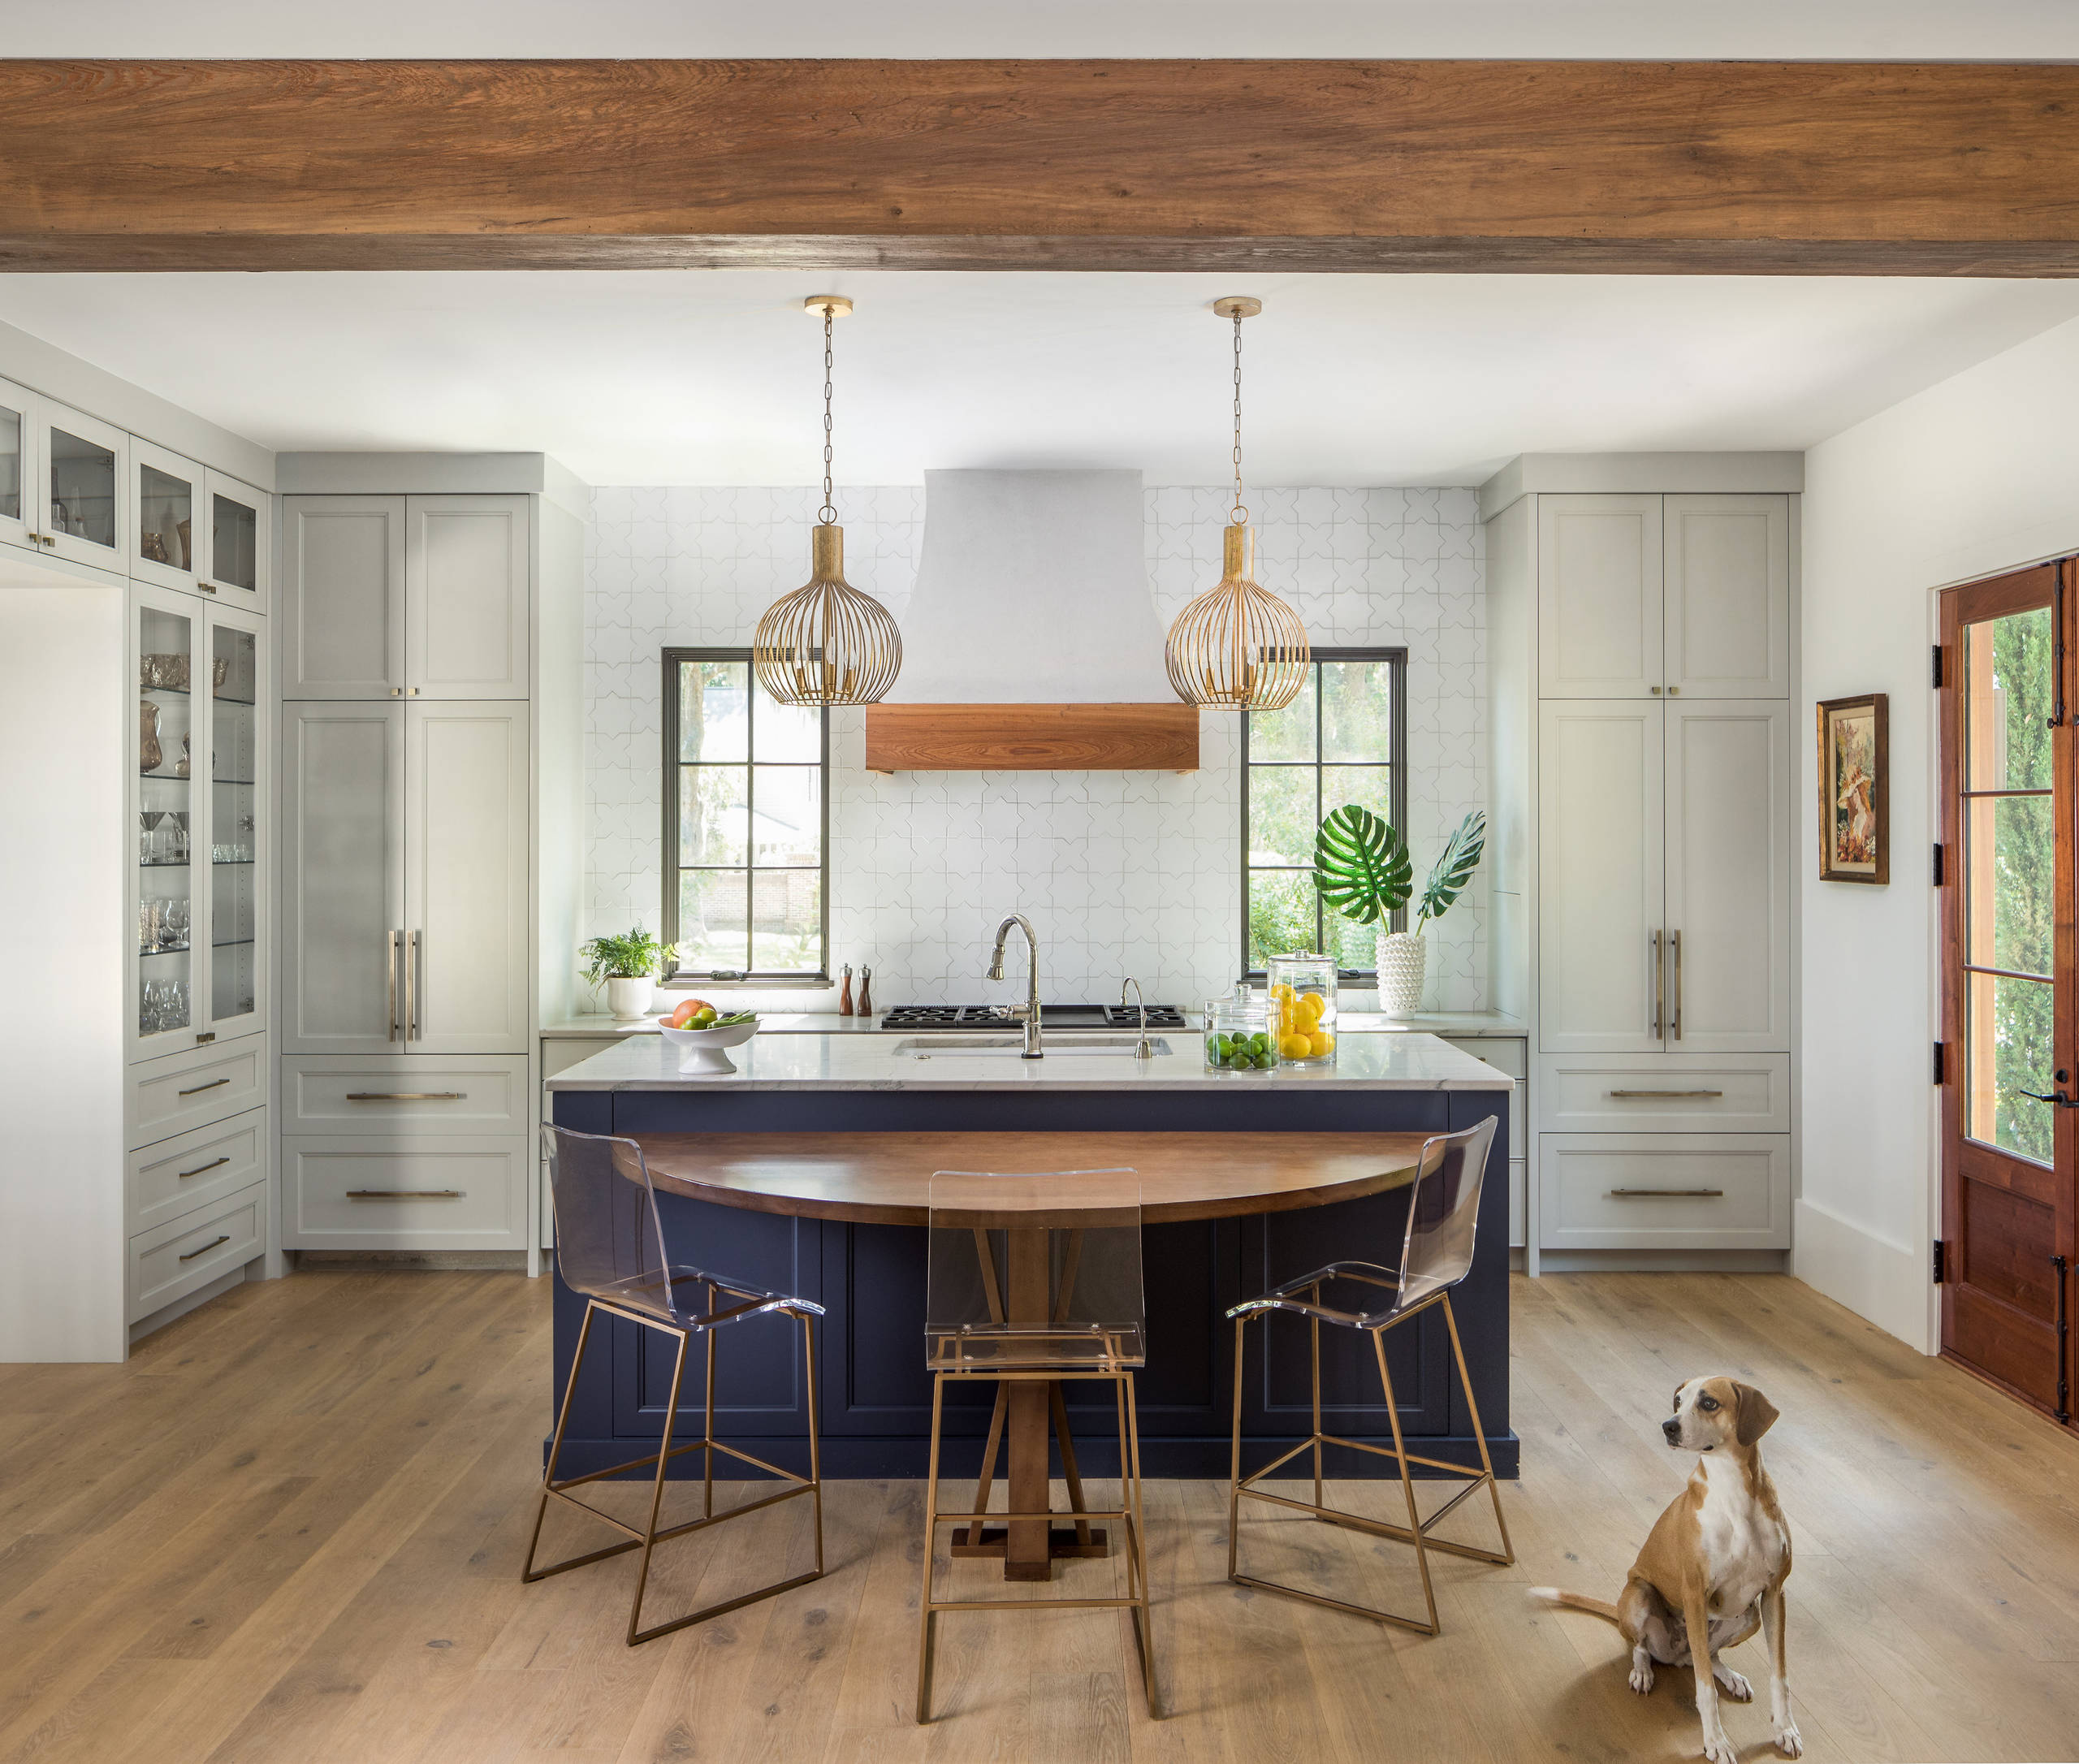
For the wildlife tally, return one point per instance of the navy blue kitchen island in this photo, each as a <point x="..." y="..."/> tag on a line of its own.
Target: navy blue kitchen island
<point x="874" y="1396"/>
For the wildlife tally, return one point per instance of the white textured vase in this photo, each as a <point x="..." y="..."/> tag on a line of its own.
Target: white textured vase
<point x="1402" y="956"/>
<point x="629" y="999"/>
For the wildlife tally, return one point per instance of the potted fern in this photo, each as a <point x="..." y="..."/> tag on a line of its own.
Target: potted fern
<point x="1362" y="870"/>
<point x="629" y="965"/>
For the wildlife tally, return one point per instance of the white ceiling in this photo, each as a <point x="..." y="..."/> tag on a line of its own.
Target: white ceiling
<point x="1641" y="29"/>
<point x="715" y="377"/>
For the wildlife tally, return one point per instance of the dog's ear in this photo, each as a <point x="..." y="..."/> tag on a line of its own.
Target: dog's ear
<point x="1753" y="1414"/>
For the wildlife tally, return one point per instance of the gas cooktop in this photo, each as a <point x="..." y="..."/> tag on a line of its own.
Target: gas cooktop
<point x="1051" y="1017"/>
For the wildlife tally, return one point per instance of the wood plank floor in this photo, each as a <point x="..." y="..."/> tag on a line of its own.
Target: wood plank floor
<point x="290" y="1529"/>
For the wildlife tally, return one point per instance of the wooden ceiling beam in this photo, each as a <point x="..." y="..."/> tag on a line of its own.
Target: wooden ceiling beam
<point x="1818" y="168"/>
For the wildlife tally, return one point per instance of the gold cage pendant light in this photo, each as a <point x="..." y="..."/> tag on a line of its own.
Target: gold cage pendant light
<point x="827" y="642"/>
<point x="1237" y="646"/>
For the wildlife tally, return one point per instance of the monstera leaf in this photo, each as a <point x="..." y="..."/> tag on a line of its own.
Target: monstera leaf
<point x="1454" y="869"/>
<point x="1361" y="866"/>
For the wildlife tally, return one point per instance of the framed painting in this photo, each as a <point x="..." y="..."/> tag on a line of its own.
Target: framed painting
<point x="1855" y="823"/>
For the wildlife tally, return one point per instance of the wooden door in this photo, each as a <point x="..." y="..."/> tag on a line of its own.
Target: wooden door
<point x="466" y="563"/>
<point x="343" y="597"/>
<point x="1728" y="607"/>
<point x="343" y="877"/>
<point x="1728" y="876"/>
<point x="1601" y="876"/>
<point x="1599" y="576"/>
<point x="2009" y="1094"/>
<point x="468" y="933"/>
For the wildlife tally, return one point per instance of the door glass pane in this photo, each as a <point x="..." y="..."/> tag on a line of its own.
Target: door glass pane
<point x="2009" y="883"/>
<point x="714" y="927"/>
<point x="1281" y="821"/>
<point x="786" y="821"/>
<point x="165" y="505"/>
<point x="2007" y="702"/>
<point x="234" y="542"/>
<point x="1282" y="908"/>
<point x="2008" y="1042"/>
<point x="10" y="463"/>
<point x="713" y="723"/>
<point x="234" y="821"/>
<point x="166" y="894"/>
<point x="82" y="489"/>
<point x="714" y="820"/>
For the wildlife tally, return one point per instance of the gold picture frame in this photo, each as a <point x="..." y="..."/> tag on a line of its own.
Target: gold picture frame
<point x="1854" y="819"/>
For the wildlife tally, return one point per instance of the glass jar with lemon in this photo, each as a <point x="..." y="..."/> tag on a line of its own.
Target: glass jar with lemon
<point x="1301" y="991"/>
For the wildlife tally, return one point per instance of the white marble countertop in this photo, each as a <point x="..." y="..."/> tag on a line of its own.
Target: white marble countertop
<point x="1464" y="1023"/>
<point x="853" y="1061"/>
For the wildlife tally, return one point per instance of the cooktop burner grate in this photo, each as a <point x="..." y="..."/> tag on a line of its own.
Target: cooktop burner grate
<point x="1051" y="1017"/>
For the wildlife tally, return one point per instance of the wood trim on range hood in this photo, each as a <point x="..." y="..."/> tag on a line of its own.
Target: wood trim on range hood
<point x="1032" y="737"/>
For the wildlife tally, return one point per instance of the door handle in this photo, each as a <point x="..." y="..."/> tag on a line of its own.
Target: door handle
<point x="1675" y="1019"/>
<point x="1659" y="987"/>
<point x="2055" y="1097"/>
<point x="412" y="988"/>
<point x="391" y="953"/>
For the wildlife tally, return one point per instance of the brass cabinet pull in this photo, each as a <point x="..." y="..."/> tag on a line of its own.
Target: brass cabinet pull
<point x="406" y="1193"/>
<point x="197" y="1090"/>
<point x="411" y="987"/>
<point x="1659" y="986"/>
<point x="390" y="954"/>
<point x="207" y="587"/>
<point x="200" y="1167"/>
<point x="1668" y="1194"/>
<point x="205" y="1249"/>
<point x="406" y="1095"/>
<point x="1675" y="1021"/>
<point x="1697" y="1094"/>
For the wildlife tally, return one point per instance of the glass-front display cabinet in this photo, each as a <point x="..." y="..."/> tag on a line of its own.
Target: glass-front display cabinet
<point x="15" y="476"/>
<point x="84" y="464"/>
<point x="196" y="528"/>
<point x="199" y="961"/>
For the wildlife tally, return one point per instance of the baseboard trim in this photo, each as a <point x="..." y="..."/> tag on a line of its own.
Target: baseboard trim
<point x="1883" y="1282"/>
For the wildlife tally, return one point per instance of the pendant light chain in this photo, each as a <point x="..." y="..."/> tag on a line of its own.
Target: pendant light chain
<point x="827" y="515"/>
<point x="1238" y="515"/>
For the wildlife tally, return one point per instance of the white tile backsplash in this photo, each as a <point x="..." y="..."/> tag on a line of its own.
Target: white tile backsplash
<point x="1121" y="872"/>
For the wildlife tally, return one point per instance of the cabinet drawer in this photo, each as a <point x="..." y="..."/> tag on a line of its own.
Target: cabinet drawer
<point x="195" y="1088"/>
<point x="172" y="1178"/>
<point x="190" y="1252"/>
<point x="1690" y="1190"/>
<point x="1664" y="1093"/>
<point x="339" y="1093"/>
<point x="453" y="1192"/>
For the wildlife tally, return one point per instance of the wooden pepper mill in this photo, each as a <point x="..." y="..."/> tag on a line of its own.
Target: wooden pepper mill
<point x="865" y="993"/>
<point x="845" y="993"/>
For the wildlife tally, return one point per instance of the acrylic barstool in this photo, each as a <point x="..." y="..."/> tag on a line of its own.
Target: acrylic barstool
<point x="1034" y="1280"/>
<point x="610" y="1247"/>
<point x="1436" y="1253"/>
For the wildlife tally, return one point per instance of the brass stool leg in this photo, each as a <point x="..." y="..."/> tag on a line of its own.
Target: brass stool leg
<point x="1316" y="1323"/>
<point x="1137" y="1528"/>
<point x="527" y="1573"/>
<point x="1479" y="1432"/>
<point x="815" y="1445"/>
<point x="707" y="1423"/>
<point x="1235" y="1461"/>
<point x="1407" y="1482"/>
<point x="657" y="1497"/>
<point x="926" y="1614"/>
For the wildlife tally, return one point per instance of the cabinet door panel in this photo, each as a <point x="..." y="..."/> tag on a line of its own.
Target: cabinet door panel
<point x="343" y="597"/>
<point x="232" y="975"/>
<point x="1728" y="596"/>
<point x="1728" y="876"/>
<point x="466" y="561"/>
<point x="465" y="891"/>
<point x="1599" y="567"/>
<point x="83" y="504"/>
<point x="18" y="475"/>
<point x="343" y="894"/>
<point x="1599" y="875"/>
<point x="166" y="499"/>
<point x="239" y="555"/>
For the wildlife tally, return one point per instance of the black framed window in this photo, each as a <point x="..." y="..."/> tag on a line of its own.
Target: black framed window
<point x="746" y="824"/>
<point x="1344" y="739"/>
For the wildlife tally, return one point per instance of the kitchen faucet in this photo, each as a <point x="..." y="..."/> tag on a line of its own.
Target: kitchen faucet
<point x="1029" y="1010"/>
<point x="1144" y="1048"/>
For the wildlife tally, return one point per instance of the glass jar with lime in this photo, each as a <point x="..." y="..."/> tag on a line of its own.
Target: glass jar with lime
<point x="1302" y="994"/>
<point x="1239" y="1036"/>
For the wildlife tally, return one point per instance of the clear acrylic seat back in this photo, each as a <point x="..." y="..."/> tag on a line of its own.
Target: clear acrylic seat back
<point x="609" y="1239"/>
<point x="1443" y="1213"/>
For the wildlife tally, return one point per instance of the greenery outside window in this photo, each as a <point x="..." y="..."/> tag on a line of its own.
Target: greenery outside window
<point x="746" y="825"/>
<point x="1344" y="739"/>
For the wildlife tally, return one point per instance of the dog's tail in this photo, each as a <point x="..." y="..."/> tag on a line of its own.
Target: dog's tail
<point x="1595" y="1607"/>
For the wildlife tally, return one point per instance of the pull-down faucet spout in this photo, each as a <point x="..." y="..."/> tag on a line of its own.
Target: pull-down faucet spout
<point x="1029" y="1010"/>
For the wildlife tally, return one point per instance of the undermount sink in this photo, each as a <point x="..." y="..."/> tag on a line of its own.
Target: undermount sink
<point x="1013" y="1046"/>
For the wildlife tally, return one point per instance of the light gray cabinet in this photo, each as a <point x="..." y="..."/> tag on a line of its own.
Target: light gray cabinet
<point x="343" y="597"/>
<point x="466" y="597"/>
<point x="1727" y="568"/>
<point x="1598" y="596"/>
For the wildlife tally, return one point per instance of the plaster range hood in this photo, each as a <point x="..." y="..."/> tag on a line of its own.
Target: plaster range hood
<point x="1032" y="642"/>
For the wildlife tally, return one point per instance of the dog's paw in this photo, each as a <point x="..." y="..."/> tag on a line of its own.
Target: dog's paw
<point x="1789" y="1741"/>
<point x="1719" y="1749"/>
<point x="1642" y="1671"/>
<point x="1733" y="1684"/>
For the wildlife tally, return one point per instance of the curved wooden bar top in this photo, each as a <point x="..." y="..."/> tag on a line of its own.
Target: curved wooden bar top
<point x="884" y="1178"/>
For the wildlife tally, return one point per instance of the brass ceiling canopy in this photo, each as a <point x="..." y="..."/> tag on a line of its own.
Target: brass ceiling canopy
<point x="827" y="642"/>
<point x="1238" y="646"/>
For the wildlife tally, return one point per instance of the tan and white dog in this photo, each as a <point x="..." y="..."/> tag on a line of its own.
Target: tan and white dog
<point x="1713" y="1569"/>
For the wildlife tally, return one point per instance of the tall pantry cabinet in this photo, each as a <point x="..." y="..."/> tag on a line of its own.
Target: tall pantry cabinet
<point x="1644" y="860"/>
<point x="430" y="657"/>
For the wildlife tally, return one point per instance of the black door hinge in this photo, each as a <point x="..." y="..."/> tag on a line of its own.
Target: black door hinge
<point x="1938" y="867"/>
<point x="1941" y="1262"/>
<point x="1938" y="1062"/>
<point x="1938" y="666"/>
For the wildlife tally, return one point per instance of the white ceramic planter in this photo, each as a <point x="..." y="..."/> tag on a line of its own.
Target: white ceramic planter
<point x="629" y="999"/>
<point x="1402" y="958"/>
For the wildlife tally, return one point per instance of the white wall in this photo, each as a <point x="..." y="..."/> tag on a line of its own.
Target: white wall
<point x="1121" y="872"/>
<point x="1973" y="476"/>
